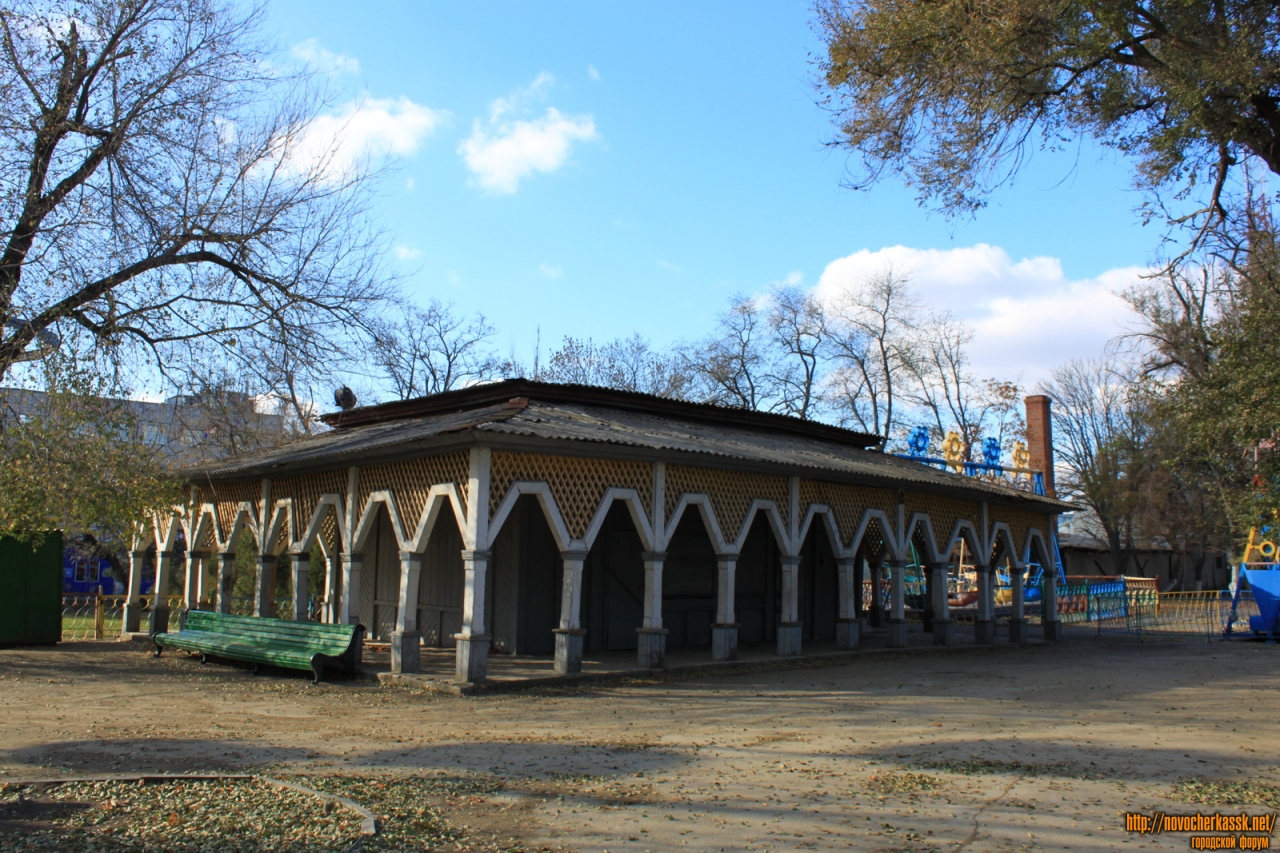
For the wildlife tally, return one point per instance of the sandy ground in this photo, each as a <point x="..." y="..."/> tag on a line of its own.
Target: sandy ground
<point x="1068" y="737"/>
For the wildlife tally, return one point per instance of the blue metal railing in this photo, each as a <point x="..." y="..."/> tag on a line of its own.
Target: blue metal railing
<point x="977" y="469"/>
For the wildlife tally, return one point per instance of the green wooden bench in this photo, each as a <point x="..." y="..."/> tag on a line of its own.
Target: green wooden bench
<point x="275" y="642"/>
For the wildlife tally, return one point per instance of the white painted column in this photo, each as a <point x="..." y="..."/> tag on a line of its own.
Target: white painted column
<point x="943" y="635"/>
<point x="332" y="586"/>
<point x="569" y="635"/>
<point x="264" y="587"/>
<point x="405" y="640"/>
<point x="724" y="632"/>
<point x="349" y="595"/>
<point x="652" y="645"/>
<point x="1049" y="603"/>
<point x="191" y="580"/>
<point x="133" y="593"/>
<point x="226" y="580"/>
<point x="301" y="587"/>
<point x="897" y="621"/>
<point x="1018" y="621"/>
<point x="984" y="624"/>
<point x="790" y="630"/>
<point x="160" y="606"/>
<point x="473" y="641"/>
<point x="848" y="587"/>
<point x="471" y="658"/>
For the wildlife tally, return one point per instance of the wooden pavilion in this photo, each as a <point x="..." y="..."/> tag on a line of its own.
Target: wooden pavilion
<point x="536" y="519"/>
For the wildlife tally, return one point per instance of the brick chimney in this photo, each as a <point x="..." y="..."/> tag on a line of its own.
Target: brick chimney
<point x="1040" y="439"/>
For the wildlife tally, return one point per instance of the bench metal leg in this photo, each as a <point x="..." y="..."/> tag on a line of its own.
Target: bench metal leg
<point x="317" y="668"/>
<point x="253" y="670"/>
<point x="204" y="659"/>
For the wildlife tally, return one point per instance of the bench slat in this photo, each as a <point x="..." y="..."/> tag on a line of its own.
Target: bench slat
<point x="278" y="642"/>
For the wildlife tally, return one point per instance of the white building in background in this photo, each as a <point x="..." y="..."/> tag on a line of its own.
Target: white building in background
<point x="186" y="428"/>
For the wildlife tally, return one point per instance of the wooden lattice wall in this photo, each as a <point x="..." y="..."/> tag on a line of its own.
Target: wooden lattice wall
<point x="577" y="484"/>
<point x="228" y="497"/>
<point x="1020" y="521"/>
<point x="848" y="504"/>
<point x="410" y="482"/>
<point x="943" y="513"/>
<point x="731" y="493"/>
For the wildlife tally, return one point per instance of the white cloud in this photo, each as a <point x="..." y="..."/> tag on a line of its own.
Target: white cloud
<point x="367" y="128"/>
<point x="669" y="267"/>
<point x="407" y="253"/>
<point x="549" y="271"/>
<point x="1027" y="315"/>
<point x="320" y="58"/>
<point x="503" y="150"/>
<point x="593" y="73"/>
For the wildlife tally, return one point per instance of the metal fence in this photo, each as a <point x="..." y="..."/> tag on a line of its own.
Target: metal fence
<point x="92" y="617"/>
<point x="1146" y="612"/>
<point x="101" y="617"/>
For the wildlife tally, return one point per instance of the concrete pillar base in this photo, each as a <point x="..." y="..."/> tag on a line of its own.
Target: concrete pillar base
<point x="1017" y="630"/>
<point x="651" y="652"/>
<point x="473" y="658"/>
<point x="569" y="650"/>
<point x="875" y="617"/>
<point x="984" y="632"/>
<point x="405" y="655"/>
<point x="724" y="641"/>
<point x="789" y="638"/>
<point x="944" y="633"/>
<point x="159" y="622"/>
<point x="897" y="633"/>
<point x="848" y="633"/>
<point x="132" y="619"/>
<point x="1053" y="631"/>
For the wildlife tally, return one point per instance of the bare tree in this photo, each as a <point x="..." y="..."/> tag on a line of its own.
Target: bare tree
<point x="432" y="350"/>
<point x="578" y="362"/>
<point x="222" y="411"/>
<point x="872" y="338"/>
<point x="731" y="367"/>
<point x="798" y="327"/>
<point x="630" y="364"/>
<point x="942" y="384"/>
<point x="1096" y="439"/>
<point x="158" y="189"/>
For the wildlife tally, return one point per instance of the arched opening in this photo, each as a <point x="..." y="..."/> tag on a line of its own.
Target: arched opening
<point x="874" y="600"/>
<point x="613" y="585"/>
<point x="380" y="577"/>
<point x="819" y="585"/>
<point x="525" y="574"/>
<point x="965" y="559"/>
<point x="326" y="567"/>
<point x="689" y="583"/>
<point x="1039" y="564"/>
<point x="244" y="571"/>
<point x="441" y="583"/>
<point x="757" y="591"/>
<point x="917" y="585"/>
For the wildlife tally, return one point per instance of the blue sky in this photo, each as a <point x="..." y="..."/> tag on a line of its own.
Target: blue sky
<point x="598" y="169"/>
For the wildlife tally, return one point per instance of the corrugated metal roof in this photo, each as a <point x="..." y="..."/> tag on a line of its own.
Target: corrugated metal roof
<point x="539" y="423"/>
